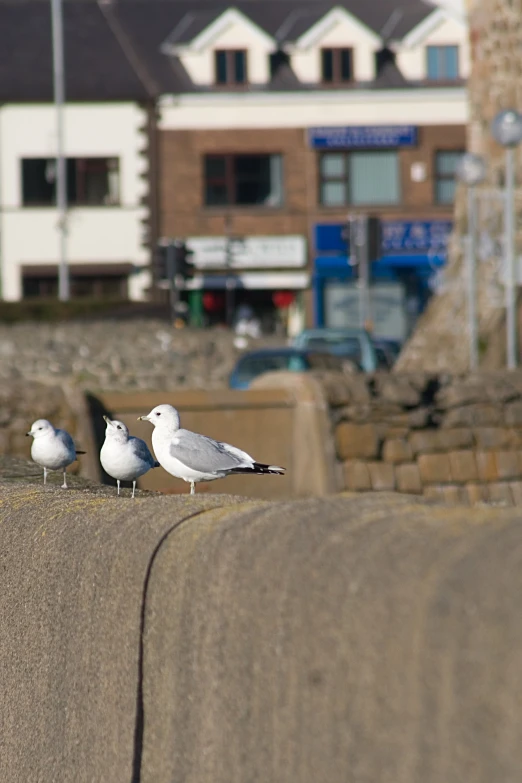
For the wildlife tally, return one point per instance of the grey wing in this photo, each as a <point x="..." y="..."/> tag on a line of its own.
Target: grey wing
<point x="205" y="454"/>
<point x="66" y="439"/>
<point x="142" y="451"/>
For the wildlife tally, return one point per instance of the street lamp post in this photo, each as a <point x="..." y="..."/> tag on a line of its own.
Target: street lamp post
<point x="507" y="131"/>
<point x="61" y="174"/>
<point x="471" y="171"/>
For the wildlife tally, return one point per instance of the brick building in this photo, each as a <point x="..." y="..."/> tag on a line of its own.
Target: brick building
<point x="286" y="120"/>
<point x="252" y="132"/>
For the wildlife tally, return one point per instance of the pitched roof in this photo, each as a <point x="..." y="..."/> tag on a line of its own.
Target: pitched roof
<point x="113" y="47"/>
<point x="97" y="68"/>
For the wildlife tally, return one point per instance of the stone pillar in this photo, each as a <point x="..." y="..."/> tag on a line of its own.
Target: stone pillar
<point x="440" y="339"/>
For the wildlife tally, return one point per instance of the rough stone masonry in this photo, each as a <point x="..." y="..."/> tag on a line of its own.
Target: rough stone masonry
<point x="439" y="342"/>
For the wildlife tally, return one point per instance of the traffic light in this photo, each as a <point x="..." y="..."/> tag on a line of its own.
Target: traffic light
<point x="160" y="262"/>
<point x="373" y="238"/>
<point x="183" y="266"/>
<point x="172" y="260"/>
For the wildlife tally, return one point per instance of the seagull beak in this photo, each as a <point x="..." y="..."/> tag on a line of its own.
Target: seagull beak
<point x="143" y="418"/>
<point x="107" y="420"/>
<point x="27" y="434"/>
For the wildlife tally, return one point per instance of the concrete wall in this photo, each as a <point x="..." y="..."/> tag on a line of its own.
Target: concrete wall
<point x="216" y="640"/>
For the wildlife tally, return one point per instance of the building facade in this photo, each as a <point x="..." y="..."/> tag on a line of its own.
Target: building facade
<point x="108" y="144"/>
<point x="106" y="194"/>
<point x="251" y="132"/>
<point x="348" y="123"/>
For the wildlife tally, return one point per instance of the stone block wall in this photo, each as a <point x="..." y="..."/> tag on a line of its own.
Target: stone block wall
<point x="439" y="342"/>
<point x="455" y="438"/>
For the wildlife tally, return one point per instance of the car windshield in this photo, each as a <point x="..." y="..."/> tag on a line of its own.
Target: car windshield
<point x="336" y="344"/>
<point x="252" y="366"/>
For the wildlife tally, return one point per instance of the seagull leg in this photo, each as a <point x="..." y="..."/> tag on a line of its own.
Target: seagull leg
<point x="118" y="483"/>
<point x="192" y="488"/>
<point x="133" y="487"/>
<point x="64" y="485"/>
<point x="45" y="476"/>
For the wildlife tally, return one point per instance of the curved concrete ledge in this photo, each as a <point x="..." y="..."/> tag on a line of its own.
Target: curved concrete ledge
<point x="217" y="640"/>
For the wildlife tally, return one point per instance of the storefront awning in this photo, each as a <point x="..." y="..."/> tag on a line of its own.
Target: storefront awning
<point x="252" y="280"/>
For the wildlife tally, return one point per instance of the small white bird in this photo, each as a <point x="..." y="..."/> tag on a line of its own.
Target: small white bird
<point x="52" y="448"/>
<point x="192" y="457"/>
<point x="123" y="456"/>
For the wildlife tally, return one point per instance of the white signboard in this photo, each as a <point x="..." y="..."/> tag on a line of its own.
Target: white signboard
<point x="387" y="308"/>
<point x="248" y="253"/>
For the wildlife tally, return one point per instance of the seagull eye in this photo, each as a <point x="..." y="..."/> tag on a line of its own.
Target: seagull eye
<point x="119" y="427"/>
<point x="158" y="414"/>
<point x="40" y="428"/>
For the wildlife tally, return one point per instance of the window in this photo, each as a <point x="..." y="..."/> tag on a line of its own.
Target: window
<point x="243" y="180"/>
<point x="443" y="63"/>
<point x="359" y="178"/>
<point x="336" y="65"/>
<point x="82" y="287"/>
<point x="90" y="181"/>
<point x="445" y="175"/>
<point x="231" y="66"/>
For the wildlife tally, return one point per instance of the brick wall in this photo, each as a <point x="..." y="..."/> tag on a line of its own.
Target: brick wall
<point x="455" y="438"/>
<point x="184" y="214"/>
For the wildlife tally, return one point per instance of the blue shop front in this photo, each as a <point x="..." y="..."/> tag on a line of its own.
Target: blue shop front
<point x="403" y="278"/>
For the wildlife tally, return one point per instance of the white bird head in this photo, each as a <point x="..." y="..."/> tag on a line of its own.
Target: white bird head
<point x="40" y="428"/>
<point x="116" y="430"/>
<point x="164" y="416"/>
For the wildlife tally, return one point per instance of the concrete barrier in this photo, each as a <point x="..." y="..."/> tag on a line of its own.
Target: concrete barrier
<point x="212" y="639"/>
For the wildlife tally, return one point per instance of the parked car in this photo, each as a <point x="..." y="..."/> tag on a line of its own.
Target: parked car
<point x="255" y="363"/>
<point x="390" y="349"/>
<point x="354" y="344"/>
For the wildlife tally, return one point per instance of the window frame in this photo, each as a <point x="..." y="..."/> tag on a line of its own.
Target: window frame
<point x="231" y="68"/>
<point x="345" y="179"/>
<point x="230" y="181"/>
<point x="77" y="170"/>
<point x="444" y="77"/>
<point x="336" y="53"/>
<point x="437" y="177"/>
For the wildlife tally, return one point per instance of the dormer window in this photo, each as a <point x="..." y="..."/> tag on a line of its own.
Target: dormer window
<point x="230" y="66"/>
<point x="442" y="63"/>
<point x="336" y="66"/>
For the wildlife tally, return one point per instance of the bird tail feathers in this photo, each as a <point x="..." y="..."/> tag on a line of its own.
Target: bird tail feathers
<point x="259" y="469"/>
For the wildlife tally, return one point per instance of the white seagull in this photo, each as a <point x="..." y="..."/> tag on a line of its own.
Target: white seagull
<point x="192" y="457"/>
<point x="52" y="448"/>
<point x="123" y="456"/>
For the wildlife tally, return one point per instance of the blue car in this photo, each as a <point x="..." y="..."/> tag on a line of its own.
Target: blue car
<point x="255" y="363"/>
<point x="354" y="344"/>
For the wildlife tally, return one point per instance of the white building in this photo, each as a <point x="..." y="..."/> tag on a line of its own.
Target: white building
<point x="107" y="149"/>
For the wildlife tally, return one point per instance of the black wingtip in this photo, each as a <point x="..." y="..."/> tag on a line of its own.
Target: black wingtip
<point x="259" y="469"/>
<point x="157" y="465"/>
<point x="81" y="452"/>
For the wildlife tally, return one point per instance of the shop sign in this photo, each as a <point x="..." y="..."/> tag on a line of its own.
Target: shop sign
<point x="363" y="136"/>
<point x="248" y="252"/>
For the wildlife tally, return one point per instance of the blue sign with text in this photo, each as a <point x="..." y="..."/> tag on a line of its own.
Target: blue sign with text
<point x="415" y="234"/>
<point x="397" y="236"/>
<point x="363" y="136"/>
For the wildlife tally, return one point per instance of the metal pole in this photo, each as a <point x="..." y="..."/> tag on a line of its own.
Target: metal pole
<point x="511" y="281"/>
<point x="172" y="276"/>
<point x="472" y="281"/>
<point x="61" y="172"/>
<point x="364" y="271"/>
<point x="230" y="283"/>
